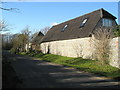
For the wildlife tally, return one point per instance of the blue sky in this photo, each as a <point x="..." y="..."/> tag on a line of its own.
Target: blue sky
<point x="38" y="15"/>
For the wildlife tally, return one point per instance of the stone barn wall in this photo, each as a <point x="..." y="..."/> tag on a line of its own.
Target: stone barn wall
<point x="115" y="52"/>
<point x="81" y="47"/>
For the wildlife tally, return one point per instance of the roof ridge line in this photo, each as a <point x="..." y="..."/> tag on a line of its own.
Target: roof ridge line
<point x="101" y="12"/>
<point x="77" y="17"/>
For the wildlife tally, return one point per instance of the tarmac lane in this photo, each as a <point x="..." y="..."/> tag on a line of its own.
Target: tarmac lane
<point x="36" y="73"/>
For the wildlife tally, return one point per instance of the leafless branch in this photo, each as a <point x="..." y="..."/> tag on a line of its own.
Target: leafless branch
<point x="11" y="9"/>
<point x="3" y="26"/>
<point x="45" y="30"/>
<point x="100" y="42"/>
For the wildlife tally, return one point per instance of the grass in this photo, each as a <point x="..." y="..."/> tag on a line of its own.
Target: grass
<point x="87" y="65"/>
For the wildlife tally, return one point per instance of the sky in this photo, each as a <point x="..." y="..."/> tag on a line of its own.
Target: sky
<point x="38" y="15"/>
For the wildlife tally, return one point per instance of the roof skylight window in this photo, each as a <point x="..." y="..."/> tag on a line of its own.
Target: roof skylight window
<point x="64" y="27"/>
<point x="83" y="23"/>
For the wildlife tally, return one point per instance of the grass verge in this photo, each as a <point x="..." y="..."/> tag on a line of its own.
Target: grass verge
<point x="87" y="65"/>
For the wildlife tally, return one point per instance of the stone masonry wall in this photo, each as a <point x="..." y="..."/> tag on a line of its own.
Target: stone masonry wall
<point x="81" y="47"/>
<point x="115" y="52"/>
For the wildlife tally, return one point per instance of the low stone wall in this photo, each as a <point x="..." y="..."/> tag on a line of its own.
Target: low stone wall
<point x="81" y="47"/>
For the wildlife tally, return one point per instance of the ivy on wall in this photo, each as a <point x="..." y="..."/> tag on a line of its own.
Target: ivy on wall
<point x="116" y="31"/>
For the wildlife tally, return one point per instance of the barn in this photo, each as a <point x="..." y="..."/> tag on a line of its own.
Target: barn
<point x="36" y="40"/>
<point x="72" y="38"/>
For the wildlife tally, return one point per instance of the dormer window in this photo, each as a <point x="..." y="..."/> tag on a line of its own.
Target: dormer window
<point x="64" y="27"/>
<point x="107" y="22"/>
<point x="83" y="23"/>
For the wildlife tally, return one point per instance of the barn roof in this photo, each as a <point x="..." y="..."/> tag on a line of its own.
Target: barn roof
<point x="73" y="28"/>
<point x="37" y="38"/>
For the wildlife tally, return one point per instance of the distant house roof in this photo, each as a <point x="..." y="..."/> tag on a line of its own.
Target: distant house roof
<point x="79" y="27"/>
<point x="37" y="38"/>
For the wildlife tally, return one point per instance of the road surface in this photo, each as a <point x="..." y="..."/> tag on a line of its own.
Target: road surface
<point x="36" y="73"/>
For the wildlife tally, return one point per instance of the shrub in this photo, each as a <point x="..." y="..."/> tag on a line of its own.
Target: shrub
<point x="100" y="40"/>
<point x="116" y="31"/>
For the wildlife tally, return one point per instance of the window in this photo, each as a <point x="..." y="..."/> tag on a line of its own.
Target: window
<point x="83" y="23"/>
<point x="107" y="22"/>
<point x="64" y="27"/>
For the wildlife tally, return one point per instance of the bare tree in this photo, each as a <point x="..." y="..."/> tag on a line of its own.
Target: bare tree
<point x="100" y="40"/>
<point x="45" y="30"/>
<point x="8" y="9"/>
<point x="4" y="26"/>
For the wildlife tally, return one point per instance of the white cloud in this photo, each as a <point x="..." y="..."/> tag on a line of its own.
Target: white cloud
<point x="54" y="23"/>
